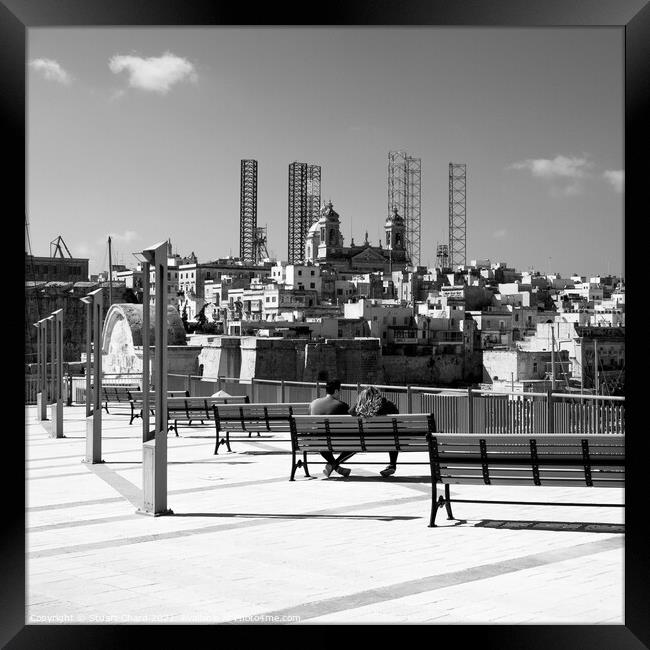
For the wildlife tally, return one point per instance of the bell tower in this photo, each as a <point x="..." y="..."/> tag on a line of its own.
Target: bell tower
<point x="395" y="228"/>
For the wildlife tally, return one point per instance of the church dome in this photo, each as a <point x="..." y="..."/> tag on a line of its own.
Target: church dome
<point x="314" y="229"/>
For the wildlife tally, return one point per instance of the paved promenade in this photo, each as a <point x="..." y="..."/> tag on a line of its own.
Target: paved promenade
<point x="246" y="545"/>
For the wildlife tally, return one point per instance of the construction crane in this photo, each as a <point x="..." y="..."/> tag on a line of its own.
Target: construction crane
<point x="57" y="248"/>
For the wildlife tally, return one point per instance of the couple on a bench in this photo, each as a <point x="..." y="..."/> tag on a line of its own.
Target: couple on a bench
<point x="369" y="402"/>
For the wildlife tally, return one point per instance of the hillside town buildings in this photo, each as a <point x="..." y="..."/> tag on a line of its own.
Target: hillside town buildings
<point x="483" y="323"/>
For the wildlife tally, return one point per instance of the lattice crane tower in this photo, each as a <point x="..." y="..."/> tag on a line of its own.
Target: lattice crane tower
<point x="248" y="210"/>
<point x="405" y="194"/>
<point x="304" y="206"/>
<point x="457" y="214"/>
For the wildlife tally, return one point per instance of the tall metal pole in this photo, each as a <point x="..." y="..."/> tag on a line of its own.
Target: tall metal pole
<point x="552" y="357"/>
<point x="56" y="407"/>
<point x="89" y="354"/>
<point x="42" y="414"/>
<point x="146" y="351"/>
<point x="110" y="275"/>
<point x="95" y="306"/>
<point x="597" y="379"/>
<point x="154" y="459"/>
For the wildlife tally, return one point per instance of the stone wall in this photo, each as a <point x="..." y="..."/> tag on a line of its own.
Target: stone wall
<point x="246" y="357"/>
<point x="432" y="370"/>
<point x="221" y="357"/>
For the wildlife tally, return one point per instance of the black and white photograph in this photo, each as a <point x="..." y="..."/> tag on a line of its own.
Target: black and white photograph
<point x="325" y="324"/>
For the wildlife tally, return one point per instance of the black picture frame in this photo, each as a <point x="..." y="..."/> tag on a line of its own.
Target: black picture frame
<point x="16" y="16"/>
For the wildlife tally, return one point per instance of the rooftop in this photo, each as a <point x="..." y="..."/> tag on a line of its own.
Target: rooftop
<point x="245" y="544"/>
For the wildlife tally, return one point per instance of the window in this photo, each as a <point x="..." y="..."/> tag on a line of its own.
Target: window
<point x="394" y="320"/>
<point x="339" y="292"/>
<point x="299" y="272"/>
<point x="312" y="273"/>
<point x="312" y="285"/>
<point x="406" y="320"/>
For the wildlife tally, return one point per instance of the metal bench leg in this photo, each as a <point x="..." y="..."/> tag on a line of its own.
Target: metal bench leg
<point x="434" y="504"/>
<point x="217" y="443"/>
<point x="227" y="441"/>
<point x="450" y="514"/>
<point x="294" y="465"/>
<point x="304" y="462"/>
<point x="106" y="407"/>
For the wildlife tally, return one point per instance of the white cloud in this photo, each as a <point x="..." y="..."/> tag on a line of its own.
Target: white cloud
<point x="157" y="74"/>
<point x="616" y="178"/>
<point x="565" y="173"/>
<point x="558" y="167"/>
<point x="51" y="70"/>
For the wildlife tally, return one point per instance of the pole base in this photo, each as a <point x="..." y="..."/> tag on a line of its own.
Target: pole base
<point x="56" y="417"/>
<point x="140" y="511"/>
<point x="92" y="462"/>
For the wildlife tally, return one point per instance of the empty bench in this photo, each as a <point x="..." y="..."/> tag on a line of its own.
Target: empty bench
<point x="249" y="418"/>
<point x="573" y="460"/>
<point x="344" y="433"/>
<point x="137" y="401"/>
<point x="120" y="394"/>
<point x="197" y="409"/>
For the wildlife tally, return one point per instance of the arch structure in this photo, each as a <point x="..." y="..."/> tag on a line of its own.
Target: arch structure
<point x="122" y="336"/>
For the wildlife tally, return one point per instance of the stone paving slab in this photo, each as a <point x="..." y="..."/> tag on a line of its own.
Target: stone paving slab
<point x="246" y="545"/>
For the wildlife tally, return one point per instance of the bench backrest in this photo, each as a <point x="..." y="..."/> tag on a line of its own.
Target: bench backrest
<point x="119" y="393"/>
<point x="138" y="395"/>
<point x="200" y="407"/>
<point x="340" y="433"/>
<point x="271" y="415"/>
<point x="546" y="459"/>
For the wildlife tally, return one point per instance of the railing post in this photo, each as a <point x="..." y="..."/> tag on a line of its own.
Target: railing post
<point x="188" y="383"/>
<point x="550" y="419"/>
<point x="282" y="391"/>
<point x="254" y="398"/>
<point x="470" y="411"/>
<point x="69" y="399"/>
<point x="409" y="399"/>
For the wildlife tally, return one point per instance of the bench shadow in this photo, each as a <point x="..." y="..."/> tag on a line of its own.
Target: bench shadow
<point x="556" y="526"/>
<point x="382" y="479"/>
<point x="270" y="515"/>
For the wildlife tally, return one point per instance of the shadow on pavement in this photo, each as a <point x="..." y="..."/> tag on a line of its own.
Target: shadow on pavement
<point x="558" y="526"/>
<point x="270" y="515"/>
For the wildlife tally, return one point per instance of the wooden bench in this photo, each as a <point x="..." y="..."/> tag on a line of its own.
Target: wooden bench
<point x="193" y="409"/>
<point x="117" y="393"/>
<point x="573" y="460"/>
<point x="137" y="401"/>
<point x="248" y="418"/>
<point x="342" y="433"/>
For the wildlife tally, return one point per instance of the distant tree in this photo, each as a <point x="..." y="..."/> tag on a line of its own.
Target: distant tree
<point x="201" y="321"/>
<point x="184" y="317"/>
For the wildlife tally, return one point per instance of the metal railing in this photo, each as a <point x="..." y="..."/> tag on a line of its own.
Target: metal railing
<point x="456" y="410"/>
<point x="465" y="410"/>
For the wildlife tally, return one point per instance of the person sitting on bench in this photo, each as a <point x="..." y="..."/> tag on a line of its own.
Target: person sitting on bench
<point x="371" y="402"/>
<point x="330" y="404"/>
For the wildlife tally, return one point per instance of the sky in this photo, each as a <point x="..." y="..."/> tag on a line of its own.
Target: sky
<point x="138" y="133"/>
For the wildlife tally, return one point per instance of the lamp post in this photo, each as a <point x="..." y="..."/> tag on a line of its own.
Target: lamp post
<point x="154" y="446"/>
<point x="94" y="309"/>
<point x="41" y="369"/>
<point x="56" y="406"/>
